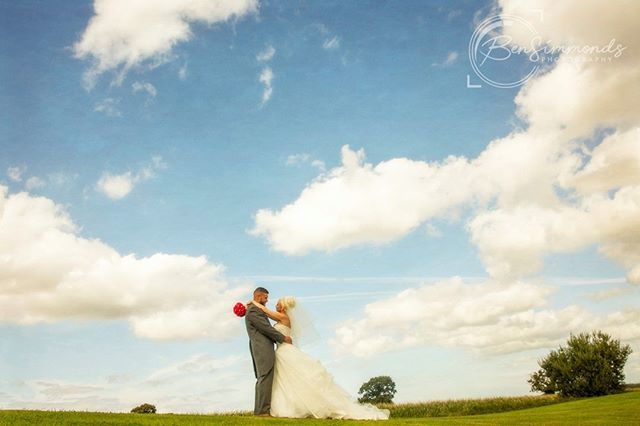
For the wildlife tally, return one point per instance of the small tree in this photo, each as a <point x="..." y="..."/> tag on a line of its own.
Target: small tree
<point x="377" y="390"/>
<point x="144" y="409"/>
<point x="592" y="364"/>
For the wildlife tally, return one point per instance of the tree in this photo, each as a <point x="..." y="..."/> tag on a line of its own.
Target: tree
<point x="145" y="409"/>
<point x="592" y="364"/>
<point x="377" y="390"/>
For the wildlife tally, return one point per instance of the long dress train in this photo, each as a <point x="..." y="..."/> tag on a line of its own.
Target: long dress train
<point x="302" y="387"/>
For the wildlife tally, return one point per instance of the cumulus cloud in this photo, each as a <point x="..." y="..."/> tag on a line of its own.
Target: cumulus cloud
<point x="120" y="185"/>
<point x="567" y="180"/>
<point x="513" y="241"/>
<point x="266" y="77"/>
<point x="587" y="93"/>
<point x="612" y="164"/>
<point x="49" y="272"/>
<point x="489" y="317"/>
<point x="554" y="186"/>
<point x="124" y="34"/>
<point x="359" y="202"/>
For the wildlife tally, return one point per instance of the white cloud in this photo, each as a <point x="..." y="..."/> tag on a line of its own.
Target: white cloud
<point x="560" y="196"/>
<point x="49" y="273"/>
<point x="297" y="159"/>
<point x="116" y="186"/>
<point x="332" y="43"/>
<point x="266" y="77"/>
<point x="182" y="72"/>
<point x="536" y="191"/>
<point x="124" y="34"/>
<point x="512" y="241"/>
<point x="200" y="383"/>
<point x="34" y="182"/>
<point x="304" y="158"/>
<point x="144" y="87"/>
<point x="15" y="173"/>
<point x="587" y="93"/>
<point x="451" y="58"/>
<point x="612" y="164"/>
<point x="109" y="107"/>
<point x="343" y="207"/>
<point x="61" y="178"/>
<point x="120" y="185"/>
<point x="609" y="293"/>
<point x="267" y="54"/>
<point x="489" y="317"/>
<point x="318" y="164"/>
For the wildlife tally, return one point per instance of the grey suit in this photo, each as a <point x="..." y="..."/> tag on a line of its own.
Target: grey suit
<point x="262" y="336"/>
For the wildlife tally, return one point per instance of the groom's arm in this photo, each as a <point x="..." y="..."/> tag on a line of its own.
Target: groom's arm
<point x="262" y="324"/>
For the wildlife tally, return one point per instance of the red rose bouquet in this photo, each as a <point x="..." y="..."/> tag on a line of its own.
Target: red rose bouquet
<point x="239" y="309"/>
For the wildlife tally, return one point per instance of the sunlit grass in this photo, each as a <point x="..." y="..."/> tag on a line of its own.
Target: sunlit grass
<point x="466" y="407"/>
<point x="620" y="409"/>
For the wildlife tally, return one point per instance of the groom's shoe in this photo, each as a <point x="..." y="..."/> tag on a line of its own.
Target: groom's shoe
<point x="264" y="415"/>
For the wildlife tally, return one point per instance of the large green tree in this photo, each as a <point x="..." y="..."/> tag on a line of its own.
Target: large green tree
<point x="591" y="364"/>
<point x="377" y="390"/>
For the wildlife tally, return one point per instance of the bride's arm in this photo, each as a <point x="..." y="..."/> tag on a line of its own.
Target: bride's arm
<point x="274" y="315"/>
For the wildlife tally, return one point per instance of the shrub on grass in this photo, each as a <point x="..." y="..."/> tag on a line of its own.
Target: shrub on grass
<point x="144" y="409"/>
<point x="377" y="390"/>
<point x="592" y="364"/>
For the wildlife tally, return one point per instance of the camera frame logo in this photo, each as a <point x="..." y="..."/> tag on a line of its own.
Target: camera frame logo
<point x="488" y="43"/>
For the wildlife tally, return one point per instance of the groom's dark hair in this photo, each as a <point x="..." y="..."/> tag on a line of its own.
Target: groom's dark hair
<point x="260" y="290"/>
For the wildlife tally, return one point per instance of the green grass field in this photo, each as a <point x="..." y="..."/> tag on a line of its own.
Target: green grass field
<point x="620" y="409"/>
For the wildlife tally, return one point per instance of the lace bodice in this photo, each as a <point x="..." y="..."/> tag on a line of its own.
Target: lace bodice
<point x="283" y="329"/>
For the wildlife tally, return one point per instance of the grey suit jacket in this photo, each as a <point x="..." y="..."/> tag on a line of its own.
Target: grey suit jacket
<point x="262" y="336"/>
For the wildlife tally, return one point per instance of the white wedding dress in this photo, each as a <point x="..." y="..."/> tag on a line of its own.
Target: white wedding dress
<point x="302" y="387"/>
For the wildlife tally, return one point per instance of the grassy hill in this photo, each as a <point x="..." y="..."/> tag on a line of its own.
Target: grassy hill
<point x="620" y="409"/>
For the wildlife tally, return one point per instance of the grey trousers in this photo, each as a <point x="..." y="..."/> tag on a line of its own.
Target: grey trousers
<point x="263" y="393"/>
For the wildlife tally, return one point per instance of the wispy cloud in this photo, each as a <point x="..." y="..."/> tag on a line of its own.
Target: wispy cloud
<point x="332" y="43"/>
<point x="200" y="383"/>
<point x="451" y="58"/>
<point x="304" y="158"/>
<point x="15" y="173"/>
<point x="267" y="54"/>
<point x="144" y="87"/>
<point x="266" y="77"/>
<point x="109" y="107"/>
<point x="34" y="182"/>
<point x="182" y="72"/>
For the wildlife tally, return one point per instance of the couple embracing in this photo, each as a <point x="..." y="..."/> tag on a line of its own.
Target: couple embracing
<point x="289" y="382"/>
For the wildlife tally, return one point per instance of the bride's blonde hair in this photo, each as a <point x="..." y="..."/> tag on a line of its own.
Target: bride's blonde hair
<point x="287" y="302"/>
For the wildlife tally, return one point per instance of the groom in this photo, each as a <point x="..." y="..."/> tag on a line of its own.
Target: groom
<point x="262" y="336"/>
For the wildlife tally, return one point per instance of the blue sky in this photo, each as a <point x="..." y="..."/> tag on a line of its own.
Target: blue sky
<point x="178" y="151"/>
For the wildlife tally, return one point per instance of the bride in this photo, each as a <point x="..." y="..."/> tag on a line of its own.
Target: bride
<point x="302" y="387"/>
